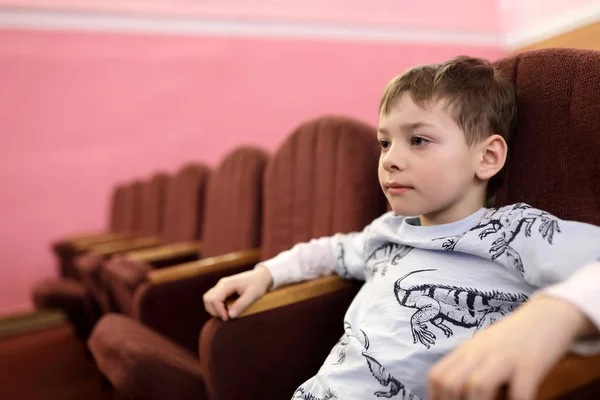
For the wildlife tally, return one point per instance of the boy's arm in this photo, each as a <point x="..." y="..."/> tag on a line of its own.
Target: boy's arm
<point x="517" y="351"/>
<point x="558" y="257"/>
<point x="582" y="290"/>
<point x="341" y="253"/>
<point x="521" y="349"/>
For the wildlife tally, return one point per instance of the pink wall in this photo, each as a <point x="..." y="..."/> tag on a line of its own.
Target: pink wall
<point x="81" y="111"/>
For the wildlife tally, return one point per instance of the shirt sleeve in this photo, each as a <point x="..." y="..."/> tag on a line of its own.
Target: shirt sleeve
<point x="342" y="254"/>
<point x="542" y="248"/>
<point x="583" y="291"/>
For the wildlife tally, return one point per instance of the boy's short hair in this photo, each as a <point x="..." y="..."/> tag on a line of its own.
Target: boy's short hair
<point x="480" y="100"/>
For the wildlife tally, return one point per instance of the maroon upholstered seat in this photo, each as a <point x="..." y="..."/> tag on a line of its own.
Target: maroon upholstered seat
<point x="554" y="153"/>
<point x="322" y="180"/>
<point x="132" y="369"/>
<point x="231" y="222"/>
<point x="187" y="186"/>
<point x="181" y="217"/>
<point x="69" y="296"/>
<point x="147" y="220"/>
<point x="66" y="292"/>
<point x="117" y="230"/>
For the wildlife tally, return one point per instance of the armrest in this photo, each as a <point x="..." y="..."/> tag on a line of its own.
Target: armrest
<point x="84" y="236"/>
<point x="293" y="335"/>
<point x="111" y="248"/>
<point x="572" y="378"/>
<point x="170" y="251"/>
<point x="225" y="262"/>
<point x="170" y="302"/>
<point x="63" y="248"/>
<point x="97" y="239"/>
<point x="295" y="293"/>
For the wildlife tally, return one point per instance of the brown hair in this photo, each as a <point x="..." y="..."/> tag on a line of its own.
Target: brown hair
<point x="480" y="100"/>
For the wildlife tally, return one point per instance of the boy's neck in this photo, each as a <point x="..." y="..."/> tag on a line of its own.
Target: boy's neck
<point x="454" y="213"/>
<point x="440" y="219"/>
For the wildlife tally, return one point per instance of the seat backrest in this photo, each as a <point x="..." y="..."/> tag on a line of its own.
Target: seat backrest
<point x="184" y="209"/>
<point x="554" y="152"/>
<point x="116" y="210"/>
<point x="152" y="205"/>
<point x="233" y="212"/>
<point x="132" y="199"/>
<point x="322" y="180"/>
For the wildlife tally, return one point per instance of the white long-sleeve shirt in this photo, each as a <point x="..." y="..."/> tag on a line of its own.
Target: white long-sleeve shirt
<point x="430" y="288"/>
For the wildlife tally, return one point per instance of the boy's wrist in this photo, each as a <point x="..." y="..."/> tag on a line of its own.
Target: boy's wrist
<point x="570" y="315"/>
<point x="266" y="273"/>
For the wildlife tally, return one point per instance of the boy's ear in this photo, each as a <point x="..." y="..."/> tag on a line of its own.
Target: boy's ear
<point x="491" y="157"/>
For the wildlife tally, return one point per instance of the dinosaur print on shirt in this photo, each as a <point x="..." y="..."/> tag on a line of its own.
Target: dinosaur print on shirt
<point x="508" y="222"/>
<point x="466" y="307"/>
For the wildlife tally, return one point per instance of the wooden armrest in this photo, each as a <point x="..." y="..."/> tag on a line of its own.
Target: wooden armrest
<point x="85" y="236"/>
<point x="124" y="246"/>
<point x="85" y="245"/>
<point x="97" y="240"/>
<point x="187" y="270"/>
<point x="568" y="375"/>
<point x="571" y="373"/>
<point x="165" y="252"/>
<point x="295" y="293"/>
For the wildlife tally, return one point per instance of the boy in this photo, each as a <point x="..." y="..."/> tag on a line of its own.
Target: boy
<point x="441" y="267"/>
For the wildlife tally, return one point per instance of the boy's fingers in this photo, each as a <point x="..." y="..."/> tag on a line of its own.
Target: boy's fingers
<point x="207" y="299"/>
<point x="221" y="310"/>
<point x="524" y="384"/>
<point x="209" y="309"/>
<point x="485" y="381"/>
<point x="241" y="303"/>
<point x="454" y="382"/>
<point x="437" y="380"/>
<point x="214" y="299"/>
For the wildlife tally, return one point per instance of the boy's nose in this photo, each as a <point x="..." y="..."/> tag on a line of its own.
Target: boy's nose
<point x="393" y="161"/>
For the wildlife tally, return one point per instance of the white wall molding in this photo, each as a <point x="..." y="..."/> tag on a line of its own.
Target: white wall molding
<point x="170" y="25"/>
<point x="546" y="29"/>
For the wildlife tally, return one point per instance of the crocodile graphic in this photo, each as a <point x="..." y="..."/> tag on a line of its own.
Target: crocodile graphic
<point x="384" y="377"/>
<point x="465" y="307"/>
<point x="377" y="370"/>
<point x="301" y="394"/>
<point x="387" y="255"/>
<point x="508" y="222"/>
<point x="341" y="345"/>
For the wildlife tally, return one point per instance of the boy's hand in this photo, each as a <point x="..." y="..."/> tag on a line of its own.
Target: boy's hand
<point x="517" y="351"/>
<point x="249" y="285"/>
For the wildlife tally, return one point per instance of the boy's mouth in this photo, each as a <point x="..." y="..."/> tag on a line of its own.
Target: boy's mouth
<point x="394" y="187"/>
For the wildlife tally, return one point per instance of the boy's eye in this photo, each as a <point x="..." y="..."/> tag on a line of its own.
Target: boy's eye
<point x="384" y="144"/>
<point x="417" y="141"/>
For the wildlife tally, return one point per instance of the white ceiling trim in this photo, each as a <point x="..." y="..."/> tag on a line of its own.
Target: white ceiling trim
<point x="170" y="25"/>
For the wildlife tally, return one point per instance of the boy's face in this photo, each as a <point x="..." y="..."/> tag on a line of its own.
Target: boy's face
<point x="426" y="167"/>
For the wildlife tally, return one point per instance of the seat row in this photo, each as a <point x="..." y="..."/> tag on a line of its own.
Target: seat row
<point x="322" y="180"/>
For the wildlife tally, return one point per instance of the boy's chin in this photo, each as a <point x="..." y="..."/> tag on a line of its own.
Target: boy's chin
<point x="407" y="210"/>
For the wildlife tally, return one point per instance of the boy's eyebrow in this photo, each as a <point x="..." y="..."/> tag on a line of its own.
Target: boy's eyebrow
<point x="408" y="126"/>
